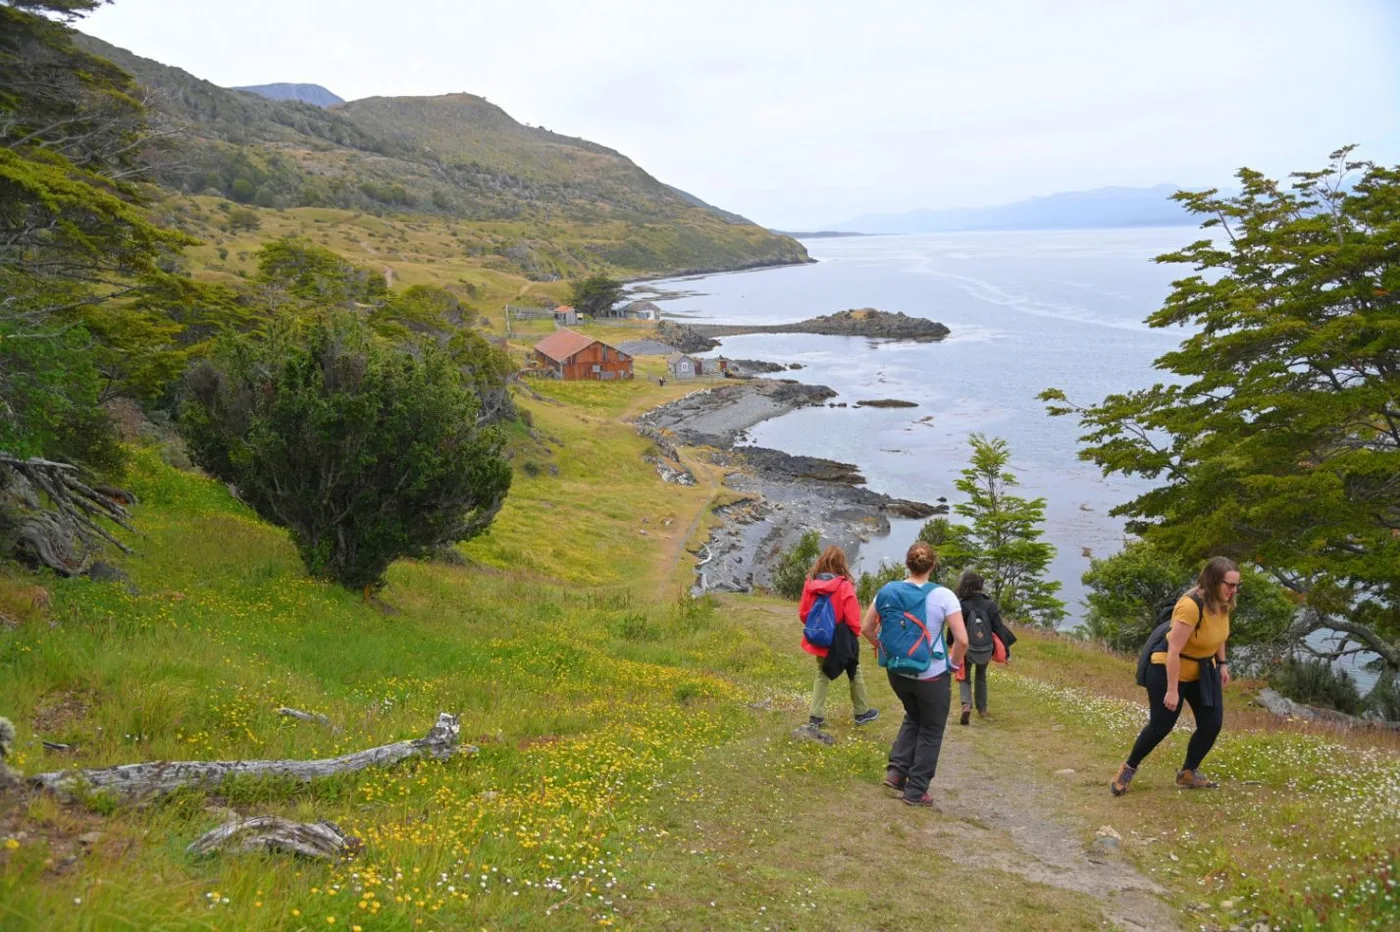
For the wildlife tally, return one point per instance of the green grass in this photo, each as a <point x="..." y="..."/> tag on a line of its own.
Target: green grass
<point x="579" y="709"/>
<point x="634" y="766"/>
<point x="594" y="512"/>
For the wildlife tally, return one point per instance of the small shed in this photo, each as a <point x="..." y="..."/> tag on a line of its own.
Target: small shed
<point x="682" y="366"/>
<point x="570" y="355"/>
<point x="565" y="316"/>
<point x="642" y="310"/>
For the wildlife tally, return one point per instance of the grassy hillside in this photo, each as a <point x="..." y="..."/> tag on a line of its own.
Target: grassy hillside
<point x="635" y="765"/>
<point x="451" y="158"/>
<point x="485" y="263"/>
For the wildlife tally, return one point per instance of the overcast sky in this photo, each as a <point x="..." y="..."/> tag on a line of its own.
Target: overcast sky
<point x="800" y="114"/>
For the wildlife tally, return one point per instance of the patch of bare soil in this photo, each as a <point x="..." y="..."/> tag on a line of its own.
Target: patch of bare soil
<point x="59" y="710"/>
<point x="66" y="833"/>
<point x="1016" y="825"/>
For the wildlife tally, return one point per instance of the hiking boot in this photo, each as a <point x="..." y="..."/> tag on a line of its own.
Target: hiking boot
<point x="816" y="721"/>
<point x="868" y="716"/>
<point x="966" y="715"/>
<point x="894" y="780"/>
<point x="981" y="713"/>
<point x="1194" y="780"/>
<point x="1119" y="786"/>
<point x="923" y="802"/>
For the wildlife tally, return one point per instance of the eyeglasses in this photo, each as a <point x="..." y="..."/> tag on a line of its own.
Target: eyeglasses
<point x="1231" y="585"/>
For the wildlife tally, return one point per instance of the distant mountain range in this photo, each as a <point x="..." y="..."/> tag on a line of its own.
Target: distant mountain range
<point x="1101" y="207"/>
<point x="817" y="234"/>
<point x="306" y="93"/>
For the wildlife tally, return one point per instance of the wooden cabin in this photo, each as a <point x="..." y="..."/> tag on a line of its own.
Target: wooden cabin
<point x="570" y="355"/>
<point x="682" y="366"/>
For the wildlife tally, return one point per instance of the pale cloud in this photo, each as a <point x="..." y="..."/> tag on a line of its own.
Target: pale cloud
<point x="798" y="114"/>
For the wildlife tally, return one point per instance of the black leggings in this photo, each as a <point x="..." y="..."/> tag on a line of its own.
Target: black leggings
<point x="1161" y="721"/>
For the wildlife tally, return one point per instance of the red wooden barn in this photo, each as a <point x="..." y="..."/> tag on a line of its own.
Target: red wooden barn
<point x="568" y="354"/>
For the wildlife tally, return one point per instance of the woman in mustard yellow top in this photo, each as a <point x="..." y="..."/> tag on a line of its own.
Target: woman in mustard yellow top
<point x="1191" y="665"/>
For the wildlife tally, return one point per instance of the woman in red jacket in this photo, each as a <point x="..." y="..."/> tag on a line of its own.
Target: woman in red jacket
<point x="831" y="579"/>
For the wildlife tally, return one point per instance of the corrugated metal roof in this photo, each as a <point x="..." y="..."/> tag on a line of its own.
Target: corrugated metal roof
<point x="563" y="343"/>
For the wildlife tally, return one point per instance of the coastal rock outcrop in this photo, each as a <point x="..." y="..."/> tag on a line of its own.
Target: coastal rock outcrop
<point x="683" y="337"/>
<point x="860" y="322"/>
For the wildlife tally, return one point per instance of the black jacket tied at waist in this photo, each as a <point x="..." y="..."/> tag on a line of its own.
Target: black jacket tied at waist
<point x="1212" y="692"/>
<point x="843" y="656"/>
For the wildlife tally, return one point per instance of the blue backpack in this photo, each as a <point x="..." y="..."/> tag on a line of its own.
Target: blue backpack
<point x="820" y="628"/>
<point x="907" y="646"/>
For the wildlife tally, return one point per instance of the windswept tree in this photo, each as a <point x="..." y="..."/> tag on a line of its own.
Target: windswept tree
<point x="595" y="295"/>
<point x="62" y="9"/>
<point x="1277" y="440"/>
<point x="1001" y="539"/>
<point x="73" y="236"/>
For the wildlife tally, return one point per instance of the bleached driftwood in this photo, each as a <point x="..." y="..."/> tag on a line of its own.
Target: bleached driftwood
<point x="134" y="781"/>
<point x="65" y="534"/>
<point x="320" y="840"/>
<point x="7" y="738"/>
<point x="314" y="717"/>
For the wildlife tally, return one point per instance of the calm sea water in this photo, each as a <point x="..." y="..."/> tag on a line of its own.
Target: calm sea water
<point x="1027" y="310"/>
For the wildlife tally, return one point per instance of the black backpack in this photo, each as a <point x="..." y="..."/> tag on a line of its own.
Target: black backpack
<point x="979" y="631"/>
<point x="1157" y="640"/>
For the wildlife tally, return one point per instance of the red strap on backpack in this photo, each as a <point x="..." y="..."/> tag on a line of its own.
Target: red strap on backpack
<point x="915" y="646"/>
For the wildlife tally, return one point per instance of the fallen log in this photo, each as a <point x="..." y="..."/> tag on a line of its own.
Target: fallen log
<point x="135" y="781"/>
<point x="317" y="840"/>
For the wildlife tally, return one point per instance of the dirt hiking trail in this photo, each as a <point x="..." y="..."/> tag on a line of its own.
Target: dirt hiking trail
<point x="1013" y="795"/>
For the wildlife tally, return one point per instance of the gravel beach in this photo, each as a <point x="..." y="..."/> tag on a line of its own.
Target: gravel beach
<point x="783" y="495"/>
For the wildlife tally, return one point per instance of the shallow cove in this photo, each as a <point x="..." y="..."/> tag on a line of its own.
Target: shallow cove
<point x="1027" y="310"/>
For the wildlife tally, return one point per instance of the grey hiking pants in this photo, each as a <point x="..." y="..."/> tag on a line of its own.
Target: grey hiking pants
<point x="965" y="686"/>
<point x="920" y="738"/>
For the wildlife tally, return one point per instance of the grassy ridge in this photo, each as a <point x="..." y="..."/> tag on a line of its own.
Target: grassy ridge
<point x="486" y="264"/>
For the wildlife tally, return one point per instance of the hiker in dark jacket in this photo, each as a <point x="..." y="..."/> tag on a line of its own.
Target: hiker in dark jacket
<point x="979" y="607"/>
<point x="1188" y="663"/>
<point x="831" y="578"/>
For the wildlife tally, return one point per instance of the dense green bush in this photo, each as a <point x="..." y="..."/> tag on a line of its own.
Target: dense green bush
<point x="793" y="565"/>
<point x="870" y="583"/>
<point x="1317" y="682"/>
<point x="365" y="452"/>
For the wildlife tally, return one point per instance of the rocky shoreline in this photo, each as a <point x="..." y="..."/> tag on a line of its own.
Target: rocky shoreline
<point x="755" y="265"/>
<point x="781" y="495"/>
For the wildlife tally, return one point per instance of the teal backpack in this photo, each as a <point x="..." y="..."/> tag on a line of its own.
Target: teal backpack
<point x="906" y="644"/>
